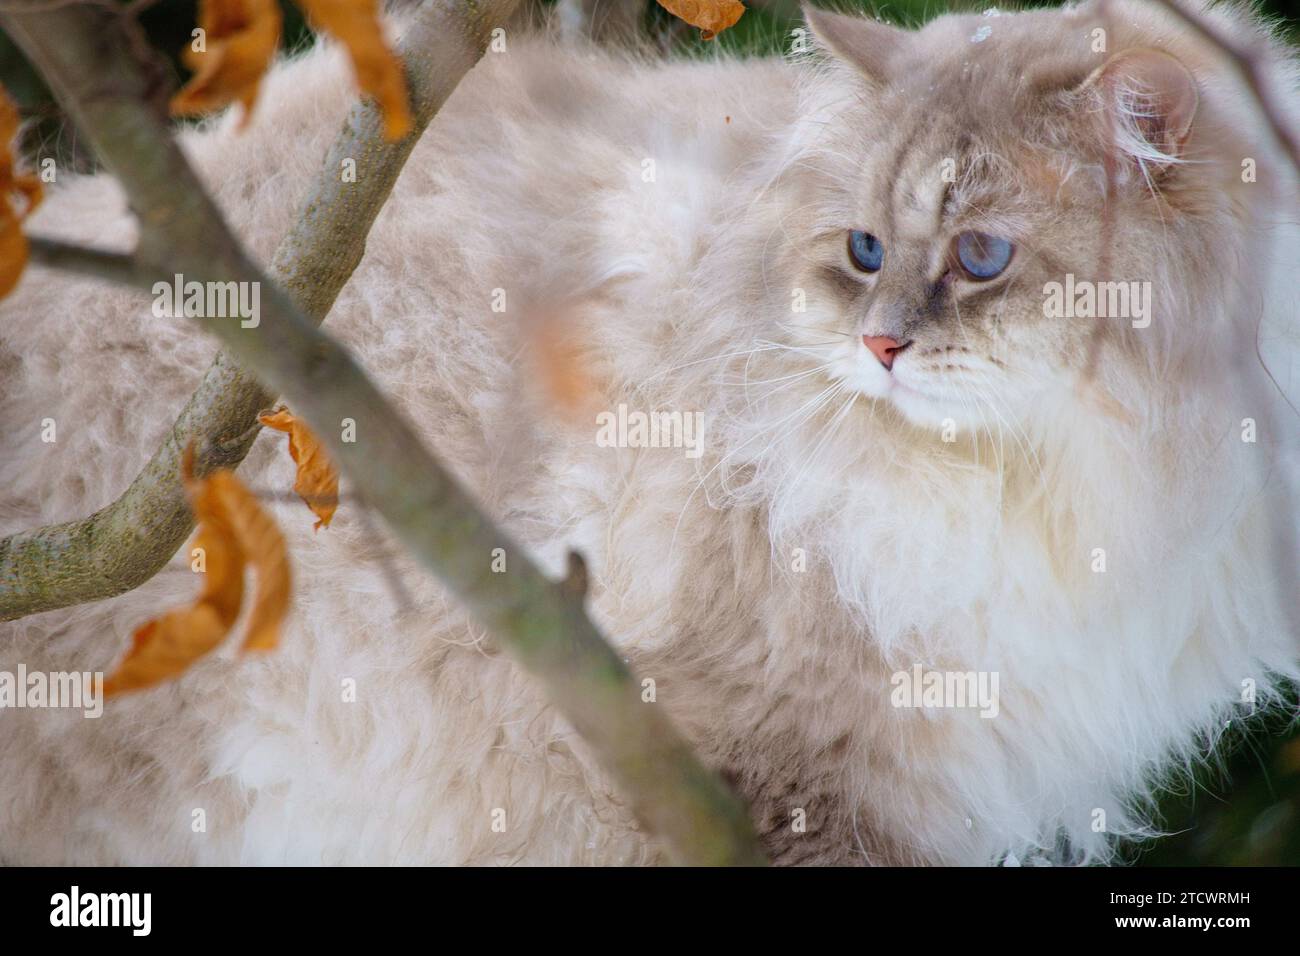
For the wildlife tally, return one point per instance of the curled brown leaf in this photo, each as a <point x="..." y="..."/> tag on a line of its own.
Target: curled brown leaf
<point x="711" y="16"/>
<point x="27" y="190"/>
<point x="317" y="482"/>
<point x="355" y="24"/>
<point x="233" y="533"/>
<point x="229" y="58"/>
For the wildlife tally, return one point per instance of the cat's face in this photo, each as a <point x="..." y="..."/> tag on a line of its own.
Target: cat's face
<point x="938" y="282"/>
<point x="959" y="179"/>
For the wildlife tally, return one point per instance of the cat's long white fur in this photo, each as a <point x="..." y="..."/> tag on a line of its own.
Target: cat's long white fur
<point x="770" y="588"/>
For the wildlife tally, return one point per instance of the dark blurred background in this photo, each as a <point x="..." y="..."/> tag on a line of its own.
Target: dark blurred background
<point x="1241" y="808"/>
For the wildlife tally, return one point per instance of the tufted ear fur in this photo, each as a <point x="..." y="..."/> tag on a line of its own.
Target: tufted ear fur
<point x="1152" y="98"/>
<point x="866" y="44"/>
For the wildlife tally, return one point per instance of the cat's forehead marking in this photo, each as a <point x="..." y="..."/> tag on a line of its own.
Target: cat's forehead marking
<point x="918" y="200"/>
<point x="899" y="157"/>
<point x="907" y="196"/>
<point x="914" y="218"/>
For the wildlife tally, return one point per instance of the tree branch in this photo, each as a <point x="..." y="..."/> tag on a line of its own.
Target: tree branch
<point x="126" y="543"/>
<point x="540" y="623"/>
<point x="96" y="263"/>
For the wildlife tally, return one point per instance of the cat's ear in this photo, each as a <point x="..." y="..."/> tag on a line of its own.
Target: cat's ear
<point x="866" y="44"/>
<point x="1151" y="99"/>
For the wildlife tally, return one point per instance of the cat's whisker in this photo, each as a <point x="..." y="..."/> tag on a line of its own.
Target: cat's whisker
<point x="827" y="432"/>
<point x="767" y="449"/>
<point x="752" y="401"/>
<point x="789" y="328"/>
<point x="1027" y="447"/>
<point x="797" y="348"/>
<point x="975" y="405"/>
<point x="792" y="378"/>
<point x="988" y="397"/>
<point x="711" y="358"/>
<point x="968" y="404"/>
<point x="813" y="402"/>
<point x="784" y="378"/>
<point x="850" y="461"/>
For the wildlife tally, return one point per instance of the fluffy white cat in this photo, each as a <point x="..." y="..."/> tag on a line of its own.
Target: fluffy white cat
<point x="911" y="468"/>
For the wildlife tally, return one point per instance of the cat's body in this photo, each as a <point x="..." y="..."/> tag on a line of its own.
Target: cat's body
<point x="771" y="588"/>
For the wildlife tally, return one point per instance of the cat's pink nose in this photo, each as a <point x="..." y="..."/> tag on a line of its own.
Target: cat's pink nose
<point x="884" y="348"/>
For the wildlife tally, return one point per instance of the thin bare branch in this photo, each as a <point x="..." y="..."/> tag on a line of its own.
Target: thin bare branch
<point x="537" y="620"/>
<point x="96" y="263"/>
<point x="127" y="542"/>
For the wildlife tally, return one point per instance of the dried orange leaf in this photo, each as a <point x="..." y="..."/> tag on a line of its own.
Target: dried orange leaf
<point x="13" y="250"/>
<point x="355" y="23"/>
<point x="234" y="531"/>
<point x="166" y="647"/>
<point x="711" y="16"/>
<point x="13" y="245"/>
<point x="263" y="548"/>
<point x="317" y="483"/>
<point x="239" y="41"/>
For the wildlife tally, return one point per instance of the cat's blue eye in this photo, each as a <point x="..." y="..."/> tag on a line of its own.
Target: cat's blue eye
<point x="983" y="256"/>
<point x="866" y="251"/>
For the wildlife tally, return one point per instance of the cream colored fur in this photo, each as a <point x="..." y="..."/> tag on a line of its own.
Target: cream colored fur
<point x="971" y="555"/>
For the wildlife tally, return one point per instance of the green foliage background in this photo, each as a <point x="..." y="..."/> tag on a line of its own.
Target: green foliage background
<point x="1241" y="809"/>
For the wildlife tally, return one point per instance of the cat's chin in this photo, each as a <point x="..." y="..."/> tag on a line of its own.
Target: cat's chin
<point x="925" y="404"/>
<point x="944" y="413"/>
<point x="927" y="410"/>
